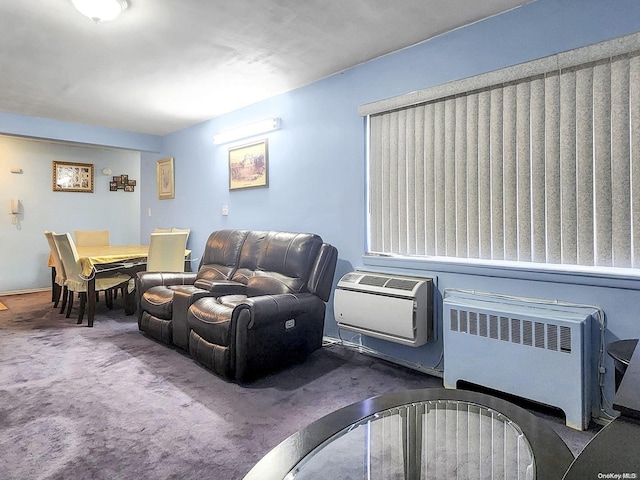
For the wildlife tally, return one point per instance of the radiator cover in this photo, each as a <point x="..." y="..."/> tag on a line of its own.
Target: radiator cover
<point x="532" y="350"/>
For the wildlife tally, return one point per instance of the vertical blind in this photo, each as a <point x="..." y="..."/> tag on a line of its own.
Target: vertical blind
<point x="540" y="169"/>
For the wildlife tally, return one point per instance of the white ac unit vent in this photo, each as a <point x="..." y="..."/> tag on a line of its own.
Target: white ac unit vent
<point x="533" y="350"/>
<point x="390" y="307"/>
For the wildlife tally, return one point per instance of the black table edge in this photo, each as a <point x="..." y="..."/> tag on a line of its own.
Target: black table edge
<point x="552" y="456"/>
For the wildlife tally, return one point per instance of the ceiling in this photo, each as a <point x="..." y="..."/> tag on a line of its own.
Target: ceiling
<point x="167" y="64"/>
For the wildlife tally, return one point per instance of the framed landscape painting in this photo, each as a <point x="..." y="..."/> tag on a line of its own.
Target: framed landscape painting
<point x="249" y="165"/>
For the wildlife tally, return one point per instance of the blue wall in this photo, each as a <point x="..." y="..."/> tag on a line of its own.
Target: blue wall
<point x="317" y="160"/>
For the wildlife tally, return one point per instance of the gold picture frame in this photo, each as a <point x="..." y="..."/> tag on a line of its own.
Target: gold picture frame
<point x="165" y="177"/>
<point x="72" y="177"/>
<point x="249" y="165"/>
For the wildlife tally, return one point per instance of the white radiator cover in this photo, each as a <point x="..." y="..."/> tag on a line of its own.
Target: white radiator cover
<point x="391" y="307"/>
<point x="532" y="350"/>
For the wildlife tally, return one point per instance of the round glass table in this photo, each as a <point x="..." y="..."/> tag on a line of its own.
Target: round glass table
<point x="421" y="434"/>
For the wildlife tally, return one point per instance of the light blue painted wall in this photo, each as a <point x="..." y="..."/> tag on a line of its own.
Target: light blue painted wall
<point x="25" y="251"/>
<point x="317" y="159"/>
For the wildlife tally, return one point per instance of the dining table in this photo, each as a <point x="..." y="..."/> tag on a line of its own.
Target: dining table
<point x="109" y="259"/>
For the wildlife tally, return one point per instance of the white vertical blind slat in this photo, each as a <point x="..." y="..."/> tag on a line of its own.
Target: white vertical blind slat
<point x="523" y="170"/>
<point x="538" y="209"/>
<point x="484" y="173"/>
<point x="620" y="163"/>
<point x="400" y="210"/>
<point x="602" y="162"/>
<point x="568" y="208"/>
<point x="430" y="179"/>
<point x="473" y="232"/>
<point x="419" y="181"/>
<point x="376" y="183"/>
<point x="461" y="177"/>
<point x="552" y="167"/>
<point x="510" y="177"/>
<point x="497" y="174"/>
<point x="584" y="165"/>
<point x="439" y="160"/>
<point x="634" y="114"/>
<point x="450" y="177"/>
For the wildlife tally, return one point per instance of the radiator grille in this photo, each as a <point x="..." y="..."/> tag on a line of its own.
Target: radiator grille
<point x="512" y="329"/>
<point x="402" y="284"/>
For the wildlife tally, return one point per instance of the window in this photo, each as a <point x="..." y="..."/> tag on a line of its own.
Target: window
<point x="534" y="163"/>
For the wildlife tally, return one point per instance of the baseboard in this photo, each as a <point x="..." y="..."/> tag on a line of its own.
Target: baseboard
<point x="29" y="290"/>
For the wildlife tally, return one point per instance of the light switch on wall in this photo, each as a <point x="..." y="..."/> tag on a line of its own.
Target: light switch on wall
<point x="225" y="210"/>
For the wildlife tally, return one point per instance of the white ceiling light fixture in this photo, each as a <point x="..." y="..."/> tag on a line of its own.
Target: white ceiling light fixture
<point x="100" y="10"/>
<point x="245" y="131"/>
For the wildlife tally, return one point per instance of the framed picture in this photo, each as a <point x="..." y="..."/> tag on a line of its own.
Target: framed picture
<point x="113" y="186"/>
<point x="129" y="188"/>
<point x="72" y="177"/>
<point x="249" y="165"/>
<point x="164" y="174"/>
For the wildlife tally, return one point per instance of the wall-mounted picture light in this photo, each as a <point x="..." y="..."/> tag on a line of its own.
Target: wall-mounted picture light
<point x="246" y="131"/>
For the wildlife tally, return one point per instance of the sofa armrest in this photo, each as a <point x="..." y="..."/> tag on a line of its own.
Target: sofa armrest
<point x="270" y="331"/>
<point x="265" y="310"/>
<point x="220" y="288"/>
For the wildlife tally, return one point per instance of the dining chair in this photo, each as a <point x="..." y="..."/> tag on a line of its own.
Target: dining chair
<point x="161" y="230"/>
<point x="91" y="238"/>
<point x="58" y="287"/>
<point x="76" y="282"/>
<point x="166" y="252"/>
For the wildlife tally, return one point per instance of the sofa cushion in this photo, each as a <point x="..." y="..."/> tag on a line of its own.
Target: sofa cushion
<point x="158" y="301"/>
<point x="210" y="319"/>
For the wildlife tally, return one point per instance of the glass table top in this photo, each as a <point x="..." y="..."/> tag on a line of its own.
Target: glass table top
<point x="431" y="439"/>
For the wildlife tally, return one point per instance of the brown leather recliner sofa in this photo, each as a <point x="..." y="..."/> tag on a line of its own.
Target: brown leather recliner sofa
<point x="256" y="303"/>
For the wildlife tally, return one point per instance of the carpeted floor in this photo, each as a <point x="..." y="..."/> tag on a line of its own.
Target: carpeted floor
<point x="110" y="403"/>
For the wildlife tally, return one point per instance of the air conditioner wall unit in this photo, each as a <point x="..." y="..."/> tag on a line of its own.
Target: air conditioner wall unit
<point x="390" y="307"/>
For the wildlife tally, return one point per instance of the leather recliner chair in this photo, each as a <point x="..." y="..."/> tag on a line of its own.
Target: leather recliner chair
<point x="256" y="303"/>
<point x="278" y="320"/>
<point x="156" y="291"/>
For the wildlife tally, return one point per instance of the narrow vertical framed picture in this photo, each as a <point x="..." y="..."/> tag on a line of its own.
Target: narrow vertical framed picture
<point x="249" y="165"/>
<point x="165" y="178"/>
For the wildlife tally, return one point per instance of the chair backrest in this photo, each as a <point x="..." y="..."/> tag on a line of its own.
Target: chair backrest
<point x="55" y="256"/>
<point x="181" y="230"/>
<point x="220" y="257"/>
<point x="91" y="238"/>
<point x="166" y="252"/>
<point x="161" y="230"/>
<point x="69" y="257"/>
